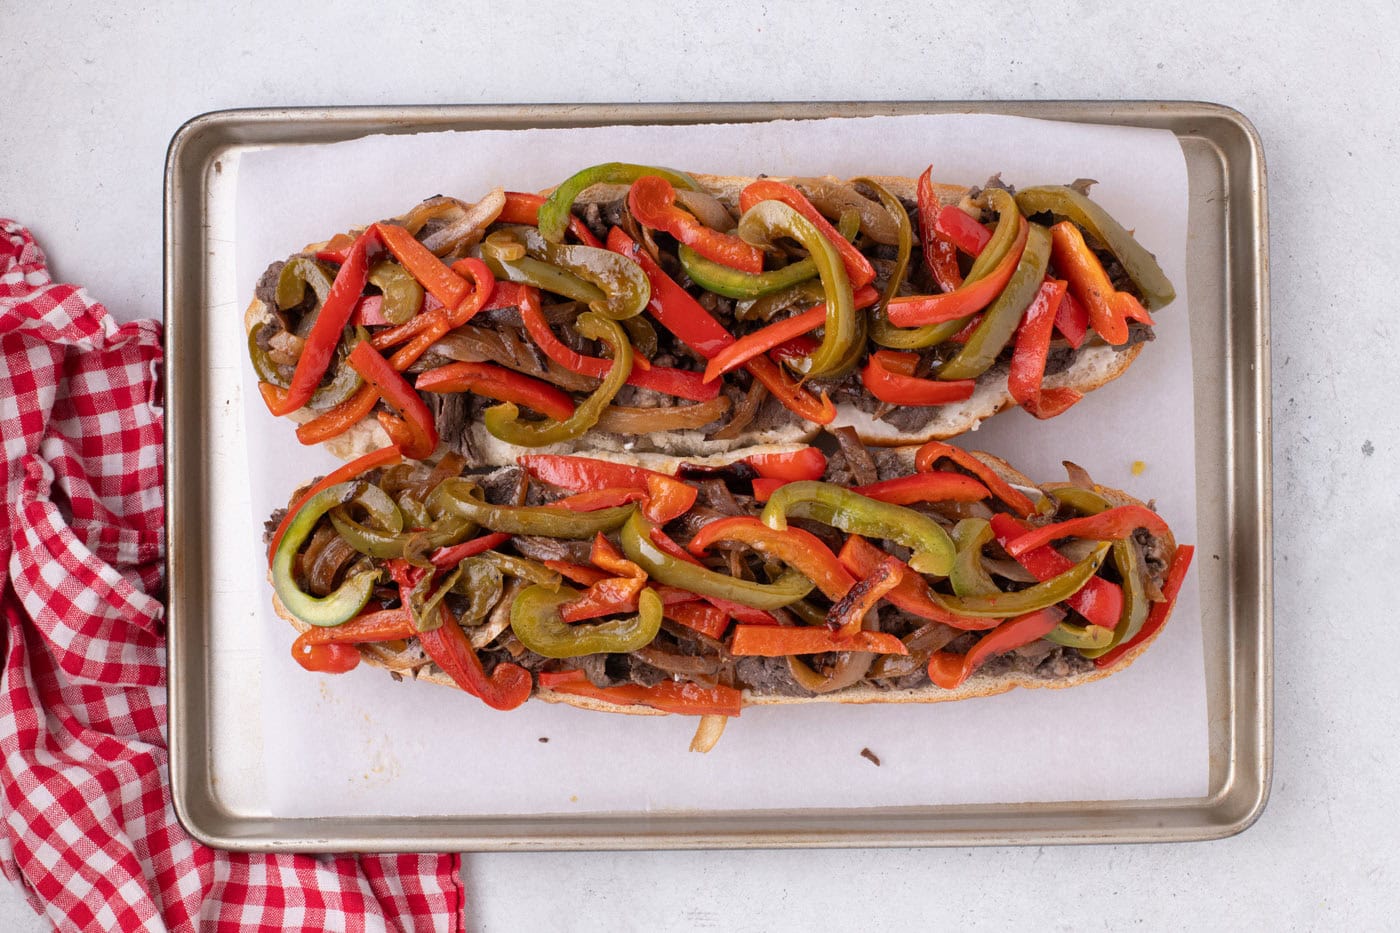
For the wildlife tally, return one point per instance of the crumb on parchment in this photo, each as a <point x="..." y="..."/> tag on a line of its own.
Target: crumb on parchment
<point x="870" y="756"/>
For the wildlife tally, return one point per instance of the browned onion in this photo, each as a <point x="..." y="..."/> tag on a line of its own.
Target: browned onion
<point x="689" y="665"/>
<point x="744" y="414"/>
<point x="617" y="419"/>
<point x="707" y="733"/>
<point x="467" y="229"/>
<point x="1078" y="476"/>
<point x="858" y="459"/>
<point x="707" y="209"/>
<point x="850" y="668"/>
<point x="509" y="348"/>
<point x="431" y="209"/>
<point x="328" y="563"/>
<point x="833" y="198"/>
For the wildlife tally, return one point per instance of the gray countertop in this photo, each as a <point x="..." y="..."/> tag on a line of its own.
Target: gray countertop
<point x="92" y="95"/>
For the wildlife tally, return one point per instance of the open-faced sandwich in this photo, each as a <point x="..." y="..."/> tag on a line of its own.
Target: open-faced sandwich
<point x="645" y="309"/>
<point x="662" y="584"/>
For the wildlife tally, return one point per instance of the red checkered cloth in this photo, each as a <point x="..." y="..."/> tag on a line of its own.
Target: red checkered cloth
<point x="89" y="831"/>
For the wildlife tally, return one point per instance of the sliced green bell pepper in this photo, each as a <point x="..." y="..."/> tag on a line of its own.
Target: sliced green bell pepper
<point x="403" y="296"/>
<point x="639" y="547"/>
<point x="843" y="337"/>
<point x="344" y="383"/>
<point x="1136" y="605"/>
<point x="969" y="576"/>
<point x="461" y="496"/>
<point x="1003" y="237"/>
<point x="535" y="619"/>
<point x="554" y="213"/>
<point x="1000" y="320"/>
<point x="298" y="273"/>
<point x="1040" y="596"/>
<point x="860" y="515"/>
<point x="1068" y="204"/>
<point x="349" y="598"/>
<point x="1083" y="637"/>
<point x="503" y="421"/>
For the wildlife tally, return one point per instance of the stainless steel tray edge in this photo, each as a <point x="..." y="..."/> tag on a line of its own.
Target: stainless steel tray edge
<point x="1242" y="736"/>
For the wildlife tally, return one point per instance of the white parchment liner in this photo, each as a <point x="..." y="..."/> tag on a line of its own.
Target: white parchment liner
<point x="362" y="744"/>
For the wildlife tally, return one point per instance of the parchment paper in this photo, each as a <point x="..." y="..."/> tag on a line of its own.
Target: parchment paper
<point x="363" y="744"/>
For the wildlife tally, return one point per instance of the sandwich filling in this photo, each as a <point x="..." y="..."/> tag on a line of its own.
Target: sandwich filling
<point x="791" y="574"/>
<point x="662" y="315"/>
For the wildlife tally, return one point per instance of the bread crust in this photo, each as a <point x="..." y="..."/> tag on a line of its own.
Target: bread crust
<point x="413" y="664"/>
<point x="1093" y="367"/>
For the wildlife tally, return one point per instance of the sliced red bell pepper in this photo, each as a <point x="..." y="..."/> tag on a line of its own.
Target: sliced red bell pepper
<point x="925" y="487"/>
<point x="667" y="498"/>
<point x="505" y="295"/>
<point x="767" y="641"/>
<point x="705" y="618"/>
<point x="683" y="316"/>
<point x="763" y="487"/>
<point x="681" y="383"/>
<point x="373" y="626"/>
<point x="369" y="312"/>
<point x="384" y="456"/>
<point x="789" y="391"/>
<point x="861" y="558"/>
<point x="940" y="252"/>
<point x="483" y="287"/>
<point x="524" y="208"/>
<point x="895" y="388"/>
<point x="949" y="671"/>
<point x="337" y="249"/>
<point x="612" y="594"/>
<point x="672" y="305"/>
<point x="858" y="268"/>
<point x="1118" y="522"/>
<point x="319" y="348"/>
<point x="439" y="281"/>
<point x="587" y="575"/>
<point x="652" y="201"/>
<point x="325" y="658"/>
<point x="324" y="650"/>
<point x="415" y="433"/>
<point x="393" y="336"/>
<point x="337" y="420"/>
<point x="595" y="499"/>
<point x="737" y="611"/>
<point x="509" y="684"/>
<point x="933" y="451"/>
<point x="669" y="696"/>
<point x="807" y="463"/>
<point x="966" y="233"/>
<point x="492" y="381"/>
<point x="848" y="613"/>
<point x="1032" y="349"/>
<point x="1072" y="320"/>
<point x="453" y="554"/>
<point x="799" y="549"/>
<point x="790" y="351"/>
<point x="766" y="338"/>
<point x="1109" y="309"/>
<point x="1099" y="601"/>
<point x="972" y="324"/>
<point x="918" y="310"/>
<point x="1176" y="573"/>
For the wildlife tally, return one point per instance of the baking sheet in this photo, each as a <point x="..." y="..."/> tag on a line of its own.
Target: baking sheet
<point x="395" y="745"/>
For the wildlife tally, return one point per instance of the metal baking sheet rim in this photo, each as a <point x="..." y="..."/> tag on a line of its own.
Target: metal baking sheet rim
<point x="1228" y="273"/>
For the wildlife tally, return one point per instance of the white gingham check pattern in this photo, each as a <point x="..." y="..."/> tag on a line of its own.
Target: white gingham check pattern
<point x="89" y="832"/>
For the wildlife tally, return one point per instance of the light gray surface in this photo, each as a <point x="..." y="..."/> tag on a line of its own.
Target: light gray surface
<point x="92" y="95"/>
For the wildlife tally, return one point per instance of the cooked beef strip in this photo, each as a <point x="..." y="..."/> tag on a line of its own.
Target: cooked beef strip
<point x="767" y="677"/>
